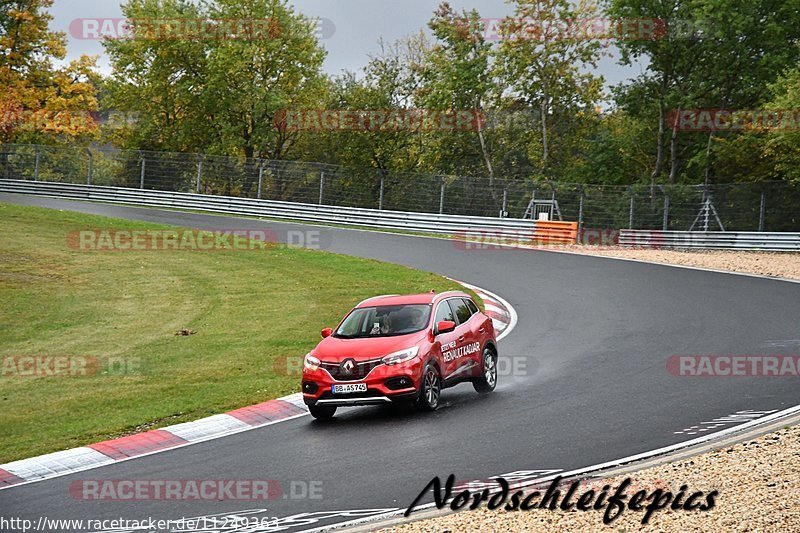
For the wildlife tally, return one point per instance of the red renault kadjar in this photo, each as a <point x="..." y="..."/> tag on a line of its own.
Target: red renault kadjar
<point x="401" y="348"/>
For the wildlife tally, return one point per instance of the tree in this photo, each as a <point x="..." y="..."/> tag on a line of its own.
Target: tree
<point x="714" y="54"/>
<point x="249" y="81"/>
<point x="369" y="143"/>
<point x="783" y="144"/>
<point x="673" y="57"/>
<point x="161" y="79"/>
<point x="616" y="152"/>
<point x="387" y="83"/>
<point x="40" y="103"/>
<point x="544" y="69"/>
<point x="745" y="47"/>
<point x="456" y="76"/>
<point x="218" y="91"/>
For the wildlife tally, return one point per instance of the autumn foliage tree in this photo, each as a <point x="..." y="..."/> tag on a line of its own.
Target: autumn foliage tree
<point x="40" y="103"/>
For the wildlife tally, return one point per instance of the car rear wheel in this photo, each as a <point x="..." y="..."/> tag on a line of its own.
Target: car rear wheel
<point x="322" y="412"/>
<point x="488" y="379"/>
<point x="431" y="389"/>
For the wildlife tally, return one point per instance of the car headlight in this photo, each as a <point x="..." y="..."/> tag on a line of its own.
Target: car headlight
<point x="310" y="362"/>
<point x="402" y="356"/>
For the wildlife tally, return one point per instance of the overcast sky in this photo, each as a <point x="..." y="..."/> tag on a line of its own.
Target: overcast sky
<point x="350" y="33"/>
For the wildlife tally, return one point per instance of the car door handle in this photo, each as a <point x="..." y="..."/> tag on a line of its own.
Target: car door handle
<point x="482" y="329"/>
<point x="461" y="339"/>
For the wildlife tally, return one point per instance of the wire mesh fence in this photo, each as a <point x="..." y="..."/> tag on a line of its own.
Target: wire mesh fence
<point x="745" y="206"/>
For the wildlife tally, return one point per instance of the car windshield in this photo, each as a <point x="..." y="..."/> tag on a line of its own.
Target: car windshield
<point x="384" y="321"/>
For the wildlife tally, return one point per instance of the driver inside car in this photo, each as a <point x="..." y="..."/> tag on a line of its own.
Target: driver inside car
<point x="417" y="319"/>
<point x="387" y="323"/>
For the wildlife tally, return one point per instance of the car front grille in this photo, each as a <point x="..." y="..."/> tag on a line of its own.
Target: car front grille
<point x="360" y="369"/>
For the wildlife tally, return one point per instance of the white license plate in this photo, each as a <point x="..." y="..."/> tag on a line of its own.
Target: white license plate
<point x="348" y="388"/>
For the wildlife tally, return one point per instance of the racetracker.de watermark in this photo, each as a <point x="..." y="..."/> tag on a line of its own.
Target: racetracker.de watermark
<point x="191" y="29"/>
<point x="53" y="121"/>
<point x="47" y="120"/>
<point x="573" y="29"/>
<point x="194" y="489"/>
<point x="43" y="366"/>
<point x="739" y="365"/>
<point x="380" y="120"/>
<point x="509" y="239"/>
<point x="721" y="120"/>
<point x="119" y="240"/>
<point x="507" y="366"/>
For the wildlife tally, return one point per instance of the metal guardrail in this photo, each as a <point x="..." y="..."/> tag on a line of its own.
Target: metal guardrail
<point x="739" y="206"/>
<point x="712" y="240"/>
<point x="397" y="220"/>
<point x="348" y="216"/>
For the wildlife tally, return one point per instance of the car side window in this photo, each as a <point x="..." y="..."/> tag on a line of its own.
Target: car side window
<point x="471" y="305"/>
<point x="460" y="309"/>
<point x="443" y="312"/>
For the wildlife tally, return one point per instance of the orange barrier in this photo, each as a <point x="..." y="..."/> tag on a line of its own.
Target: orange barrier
<point x="550" y="232"/>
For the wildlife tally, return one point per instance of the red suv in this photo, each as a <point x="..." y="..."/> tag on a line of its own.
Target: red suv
<point x="401" y="348"/>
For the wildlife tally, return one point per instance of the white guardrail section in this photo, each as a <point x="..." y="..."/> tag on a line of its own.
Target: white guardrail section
<point x="323" y="214"/>
<point x="712" y="240"/>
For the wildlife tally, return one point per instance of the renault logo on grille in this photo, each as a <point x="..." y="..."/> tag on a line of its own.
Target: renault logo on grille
<point x="348" y="366"/>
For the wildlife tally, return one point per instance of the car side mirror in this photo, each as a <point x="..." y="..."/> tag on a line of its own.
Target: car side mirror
<point x="326" y="332"/>
<point x="445" y="326"/>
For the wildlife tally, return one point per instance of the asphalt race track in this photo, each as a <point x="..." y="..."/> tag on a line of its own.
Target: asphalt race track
<point x="594" y="335"/>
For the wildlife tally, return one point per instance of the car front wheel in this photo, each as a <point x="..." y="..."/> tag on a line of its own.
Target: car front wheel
<point x="488" y="379"/>
<point x="430" y="390"/>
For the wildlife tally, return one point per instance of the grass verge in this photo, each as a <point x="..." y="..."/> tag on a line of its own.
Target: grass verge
<point x="251" y="310"/>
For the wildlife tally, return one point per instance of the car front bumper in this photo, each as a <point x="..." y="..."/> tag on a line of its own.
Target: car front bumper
<point x="384" y="385"/>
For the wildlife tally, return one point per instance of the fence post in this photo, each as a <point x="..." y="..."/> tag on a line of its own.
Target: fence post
<point x="141" y="175"/>
<point x="260" y="176"/>
<point x="199" y="171"/>
<point x="441" y="196"/>
<point x="36" y="164"/>
<point x="665" y="223"/>
<point x="91" y="169"/>
<point x="580" y="211"/>
<point x="321" y="186"/>
<point x="380" y="197"/>
<point x="6" y="165"/>
<point x="630" y="215"/>
<point x="504" y="212"/>
<point x="761" y="213"/>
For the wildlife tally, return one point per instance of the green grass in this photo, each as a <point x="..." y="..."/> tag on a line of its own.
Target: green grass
<point x="250" y="310"/>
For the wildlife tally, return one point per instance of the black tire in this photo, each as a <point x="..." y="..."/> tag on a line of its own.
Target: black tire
<point x="322" y="412"/>
<point x="430" y="390"/>
<point x="488" y="378"/>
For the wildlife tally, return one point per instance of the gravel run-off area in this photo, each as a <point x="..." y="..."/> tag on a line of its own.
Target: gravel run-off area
<point x="778" y="264"/>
